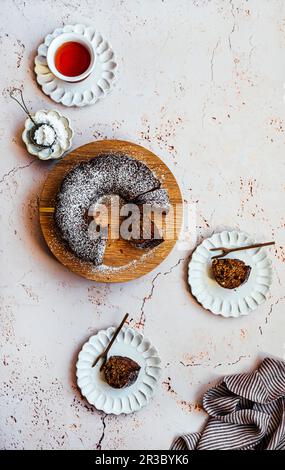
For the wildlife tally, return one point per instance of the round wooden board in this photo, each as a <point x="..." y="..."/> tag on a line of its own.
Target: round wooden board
<point x="122" y="261"/>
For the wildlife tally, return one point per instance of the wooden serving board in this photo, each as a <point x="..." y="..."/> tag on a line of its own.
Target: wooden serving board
<point x="122" y="261"/>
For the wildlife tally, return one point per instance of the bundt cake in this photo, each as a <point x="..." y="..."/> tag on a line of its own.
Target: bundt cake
<point x="106" y="174"/>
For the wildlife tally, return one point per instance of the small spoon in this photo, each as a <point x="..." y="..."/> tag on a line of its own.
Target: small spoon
<point x="103" y="355"/>
<point x="226" y="251"/>
<point x="36" y="125"/>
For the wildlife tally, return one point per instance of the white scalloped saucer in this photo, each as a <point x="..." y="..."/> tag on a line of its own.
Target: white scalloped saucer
<point x="129" y="343"/>
<point x="230" y="302"/>
<point x="89" y="90"/>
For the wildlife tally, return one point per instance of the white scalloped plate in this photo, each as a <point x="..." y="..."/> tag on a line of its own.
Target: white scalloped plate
<point x="88" y="91"/>
<point x="230" y="302"/>
<point x="129" y="343"/>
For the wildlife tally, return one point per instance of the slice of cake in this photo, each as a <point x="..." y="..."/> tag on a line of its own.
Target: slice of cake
<point x="121" y="371"/>
<point x="157" y="199"/>
<point x="147" y="231"/>
<point x="230" y="273"/>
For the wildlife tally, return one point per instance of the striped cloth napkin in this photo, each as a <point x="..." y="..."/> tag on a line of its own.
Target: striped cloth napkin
<point x="246" y="412"/>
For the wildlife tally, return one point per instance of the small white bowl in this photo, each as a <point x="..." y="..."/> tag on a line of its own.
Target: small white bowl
<point x="59" y="41"/>
<point x="60" y="147"/>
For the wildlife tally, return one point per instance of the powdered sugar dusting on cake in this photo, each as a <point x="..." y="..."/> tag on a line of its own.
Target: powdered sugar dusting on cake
<point x="126" y="267"/>
<point x="112" y="173"/>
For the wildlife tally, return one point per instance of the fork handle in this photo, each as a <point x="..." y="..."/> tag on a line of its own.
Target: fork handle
<point x="116" y="334"/>
<point x="255" y="245"/>
<point x="104" y="353"/>
<point x="240" y="248"/>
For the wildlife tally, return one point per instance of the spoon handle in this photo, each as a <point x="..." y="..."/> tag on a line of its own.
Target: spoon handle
<point x="22" y="102"/>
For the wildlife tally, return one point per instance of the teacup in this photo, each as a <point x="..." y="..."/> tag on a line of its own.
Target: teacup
<point x="71" y="57"/>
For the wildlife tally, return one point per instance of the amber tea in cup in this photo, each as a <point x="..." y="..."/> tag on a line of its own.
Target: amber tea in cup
<point x="72" y="59"/>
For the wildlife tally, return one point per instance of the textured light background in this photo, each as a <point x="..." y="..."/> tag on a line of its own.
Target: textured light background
<point x="201" y="84"/>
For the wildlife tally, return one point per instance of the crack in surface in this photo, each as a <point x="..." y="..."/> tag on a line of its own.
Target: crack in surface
<point x="99" y="443"/>
<point x="197" y="364"/>
<point x="234" y="25"/>
<point x="251" y="50"/>
<point x="269" y="313"/>
<point x="141" y="322"/>
<point x="173" y="267"/>
<point x="234" y="362"/>
<point x="15" y="170"/>
<point x="212" y="60"/>
<point x="272" y="307"/>
<point x="184" y="404"/>
<point x="203" y="114"/>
